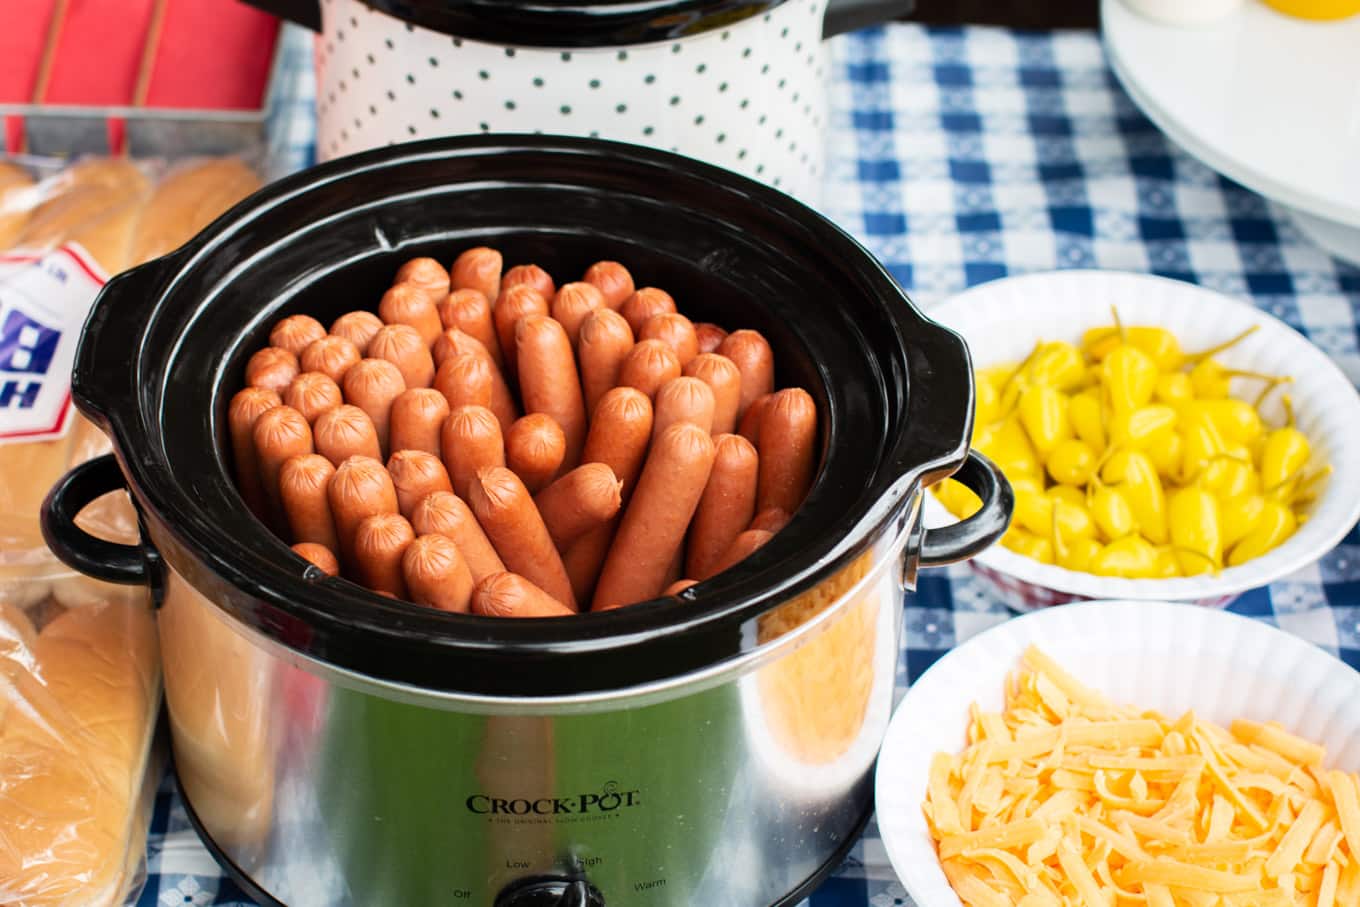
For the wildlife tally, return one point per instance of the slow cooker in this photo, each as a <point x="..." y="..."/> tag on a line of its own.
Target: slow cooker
<point x="739" y="83"/>
<point x="339" y="748"/>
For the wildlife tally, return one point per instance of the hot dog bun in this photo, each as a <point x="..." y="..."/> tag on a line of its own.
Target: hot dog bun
<point x="187" y="200"/>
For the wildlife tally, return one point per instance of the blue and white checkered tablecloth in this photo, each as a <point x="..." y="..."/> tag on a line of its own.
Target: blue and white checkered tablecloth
<point x="960" y="156"/>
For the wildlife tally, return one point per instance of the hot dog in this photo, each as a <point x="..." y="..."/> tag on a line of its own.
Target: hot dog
<point x="619" y="434"/>
<point x="331" y="356"/>
<point x="454" y="342"/>
<point x="246" y="406"/>
<point x="372" y="385"/>
<point x="319" y="555"/>
<point x="465" y="380"/>
<point x="511" y="595"/>
<point x="427" y="274"/>
<point x="788" y="441"/>
<point x="409" y="304"/>
<point x="417" y="416"/>
<point x="679" y="586"/>
<point x="358" y="328"/>
<point x="295" y="333"/>
<point x="604" y="343"/>
<point x="752" y="356"/>
<point x="612" y="280"/>
<point x="649" y="365"/>
<point x="674" y="330"/>
<point x="751" y="419"/>
<point x="710" y="336"/>
<point x="507" y="513"/>
<point x="726" y="507"/>
<point x="529" y="276"/>
<point x="618" y="437"/>
<point x="534" y="448"/>
<point x="313" y="394"/>
<point x="572" y="304"/>
<point x="416" y="475"/>
<point x="771" y="519"/>
<point x="402" y="345"/>
<point x="724" y="380"/>
<point x="477" y="269"/>
<point x="436" y="574"/>
<point x="639" y="308"/>
<point x="380" y="541"/>
<point x="446" y="514"/>
<point x="742" y="547"/>
<point x="514" y="303"/>
<point x="280" y="433"/>
<point x="470" y="312"/>
<point x="304" y="483"/>
<point x="683" y="400"/>
<point x="653" y="527"/>
<point x="583" y="499"/>
<point x="360" y="488"/>
<point x="345" y="432"/>
<point x="548" y="381"/>
<point x="470" y="440"/>
<point x="273" y="368"/>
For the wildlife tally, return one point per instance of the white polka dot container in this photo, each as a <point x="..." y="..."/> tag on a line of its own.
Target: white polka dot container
<point x="1002" y="320"/>
<point x="737" y="84"/>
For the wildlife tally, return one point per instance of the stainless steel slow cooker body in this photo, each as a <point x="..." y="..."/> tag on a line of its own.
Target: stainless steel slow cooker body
<point x="337" y="748"/>
<point x="738" y="83"/>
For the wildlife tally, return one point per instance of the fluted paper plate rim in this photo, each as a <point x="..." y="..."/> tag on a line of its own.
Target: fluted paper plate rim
<point x="1085" y="297"/>
<point x="1163" y="655"/>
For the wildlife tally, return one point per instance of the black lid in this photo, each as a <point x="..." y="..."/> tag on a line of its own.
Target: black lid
<point x="166" y="344"/>
<point x="572" y="23"/>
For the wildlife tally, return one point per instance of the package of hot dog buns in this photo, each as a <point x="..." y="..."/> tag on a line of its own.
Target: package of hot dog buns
<point x="79" y="674"/>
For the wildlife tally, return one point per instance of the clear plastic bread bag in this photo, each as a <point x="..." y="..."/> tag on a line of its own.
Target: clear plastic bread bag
<point x="79" y="673"/>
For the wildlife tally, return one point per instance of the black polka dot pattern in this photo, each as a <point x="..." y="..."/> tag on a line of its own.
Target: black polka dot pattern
<point x="749" y="96"/>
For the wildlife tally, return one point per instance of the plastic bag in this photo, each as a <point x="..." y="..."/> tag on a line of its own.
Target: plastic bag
<point x="80" y="680"/>
<point x="63" y="231"/>
<point x="78" y="699"/>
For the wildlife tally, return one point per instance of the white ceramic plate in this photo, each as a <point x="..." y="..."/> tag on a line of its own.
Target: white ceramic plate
<point x="1270" y="101"/>
<point x="1002" y="320"/>
<point x="1151" y="654"/>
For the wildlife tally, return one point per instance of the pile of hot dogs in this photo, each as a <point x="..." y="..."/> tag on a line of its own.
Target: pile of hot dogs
<point x="650" y="449"/>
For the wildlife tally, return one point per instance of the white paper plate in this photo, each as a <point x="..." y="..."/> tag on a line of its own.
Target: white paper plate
<point x="1002" y="320"/>
<point x="1151" y="654"/>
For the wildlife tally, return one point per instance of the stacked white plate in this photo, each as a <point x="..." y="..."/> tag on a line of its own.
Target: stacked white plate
<point x="1267" y="100"/>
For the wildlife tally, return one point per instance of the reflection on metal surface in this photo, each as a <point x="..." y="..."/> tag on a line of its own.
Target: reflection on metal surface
<point x="217" y="690"/>
<point x="816" y="697"/>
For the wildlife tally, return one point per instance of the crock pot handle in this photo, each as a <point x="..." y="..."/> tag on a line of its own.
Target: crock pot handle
<point x="75" y="547"/>
<point x="971" y="536"/>
<point x="851" y="15"/>
<point x="306" y="13"/>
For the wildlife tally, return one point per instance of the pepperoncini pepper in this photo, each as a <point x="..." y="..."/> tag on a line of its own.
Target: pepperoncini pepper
<point x="1134" y="473"/>
<point x="1111" y="511"/>
<point x="1058" y="365"/>
<point x="1285" y="452"/>
<point x="1043" y="413"/>
<point x="1136" y="427"/>
<point x="1132" y="557"/>
<point x="1071" y="462"/>
<point x="1275" y="524"/>
<point x="1193" y="518"/>
<point x="1088" y="422"/>
<point x="1129" y="376"/>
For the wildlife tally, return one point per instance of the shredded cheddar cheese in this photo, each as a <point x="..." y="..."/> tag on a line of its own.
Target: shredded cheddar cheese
<point x="1067" y="800"/>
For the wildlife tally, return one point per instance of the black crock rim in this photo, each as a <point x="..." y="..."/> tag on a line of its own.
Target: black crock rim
<point x="715" y="623"/>
<point x="572" y="24"/>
